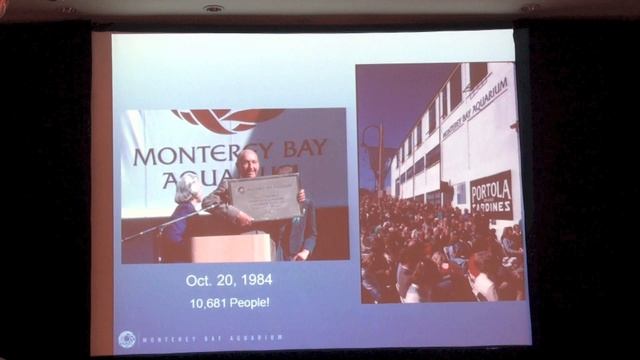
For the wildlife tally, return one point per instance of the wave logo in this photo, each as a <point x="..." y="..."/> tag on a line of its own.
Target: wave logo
<point x="126" y="339"/>
<point x="238" y="121"/>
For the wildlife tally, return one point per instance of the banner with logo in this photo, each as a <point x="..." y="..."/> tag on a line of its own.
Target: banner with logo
<point x="492" y="195"/>
<point x="157" y="146"/>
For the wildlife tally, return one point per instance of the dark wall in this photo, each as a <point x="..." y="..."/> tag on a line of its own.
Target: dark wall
<point x="577" y="131"/>
<point x="578" y="116"/>
<point x="46" y="85"/>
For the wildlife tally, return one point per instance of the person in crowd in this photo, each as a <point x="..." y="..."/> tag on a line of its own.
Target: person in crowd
<point x="371" y="286"/>
<point x="376" y="275"/>
<point x="409" y="258"/>
<point x="423" y="282"/>
<point x="175" y="236"/>
<point x="511" y="243"/>
<point x="483" y="268"/>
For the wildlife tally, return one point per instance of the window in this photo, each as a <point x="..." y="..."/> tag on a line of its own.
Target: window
<point x="445" y="105"/>
<point x="477" y="72"/>
<point x="419" y="166"/>
<point x="403" y="152"/>
<point x="402" y="178"/>
<point x="455" y="88"/>
<point x="409" y="173"/>
<point x="433" y="197"/>
<point x="432" y="118"/>
<point x="432" y="157"/>
<point x="410" y="143"/>
<point x="419" y="133"/>
<point x="461" y="193"/>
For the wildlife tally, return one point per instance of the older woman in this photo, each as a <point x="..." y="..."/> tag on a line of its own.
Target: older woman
<point x="175" y="244"/>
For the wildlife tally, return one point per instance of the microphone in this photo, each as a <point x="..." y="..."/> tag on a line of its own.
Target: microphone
<point x="209" y="207"/>
<point x="163" y="225"/>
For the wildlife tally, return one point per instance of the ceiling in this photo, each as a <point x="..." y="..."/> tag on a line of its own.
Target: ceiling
<point x="314" y="11"/>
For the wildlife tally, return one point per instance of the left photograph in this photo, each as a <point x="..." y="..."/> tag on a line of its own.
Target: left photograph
<point x="225" y="186"/>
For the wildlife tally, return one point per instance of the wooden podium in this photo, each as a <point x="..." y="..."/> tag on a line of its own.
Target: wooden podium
<point x="232" y="248"/>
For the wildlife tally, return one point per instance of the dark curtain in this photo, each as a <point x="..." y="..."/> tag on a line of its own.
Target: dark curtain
<point x="46" y="82"/>
<point x="578" y="108"/>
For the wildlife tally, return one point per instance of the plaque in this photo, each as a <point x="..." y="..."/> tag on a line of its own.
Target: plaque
<point x="266" y="197"/>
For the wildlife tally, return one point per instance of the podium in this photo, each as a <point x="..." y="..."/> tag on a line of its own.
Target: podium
<point x="232" y="248"/>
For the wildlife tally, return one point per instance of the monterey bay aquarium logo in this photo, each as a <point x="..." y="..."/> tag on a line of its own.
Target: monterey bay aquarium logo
<point x="126" y="339"/>
<point x="237" y="121"/>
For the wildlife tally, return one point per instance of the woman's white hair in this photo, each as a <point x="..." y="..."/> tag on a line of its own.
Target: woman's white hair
<point x="184" y="189"/>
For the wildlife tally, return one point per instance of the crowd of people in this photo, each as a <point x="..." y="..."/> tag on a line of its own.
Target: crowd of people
<point x="416" y="252"/>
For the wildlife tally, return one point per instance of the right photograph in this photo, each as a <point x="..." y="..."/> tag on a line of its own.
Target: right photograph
<point x="440" y="190"/>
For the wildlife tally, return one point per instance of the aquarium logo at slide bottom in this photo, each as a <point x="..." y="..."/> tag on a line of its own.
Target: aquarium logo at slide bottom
<point x="126" y="339"/>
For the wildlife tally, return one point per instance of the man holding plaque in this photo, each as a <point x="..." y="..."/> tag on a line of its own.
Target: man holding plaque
<point x="233" y="219"/>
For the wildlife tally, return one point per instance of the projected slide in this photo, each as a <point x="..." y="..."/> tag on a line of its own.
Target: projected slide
<point x="306" y="191"/>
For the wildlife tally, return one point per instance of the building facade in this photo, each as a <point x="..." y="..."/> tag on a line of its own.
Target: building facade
<point x="464" y="150"/>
